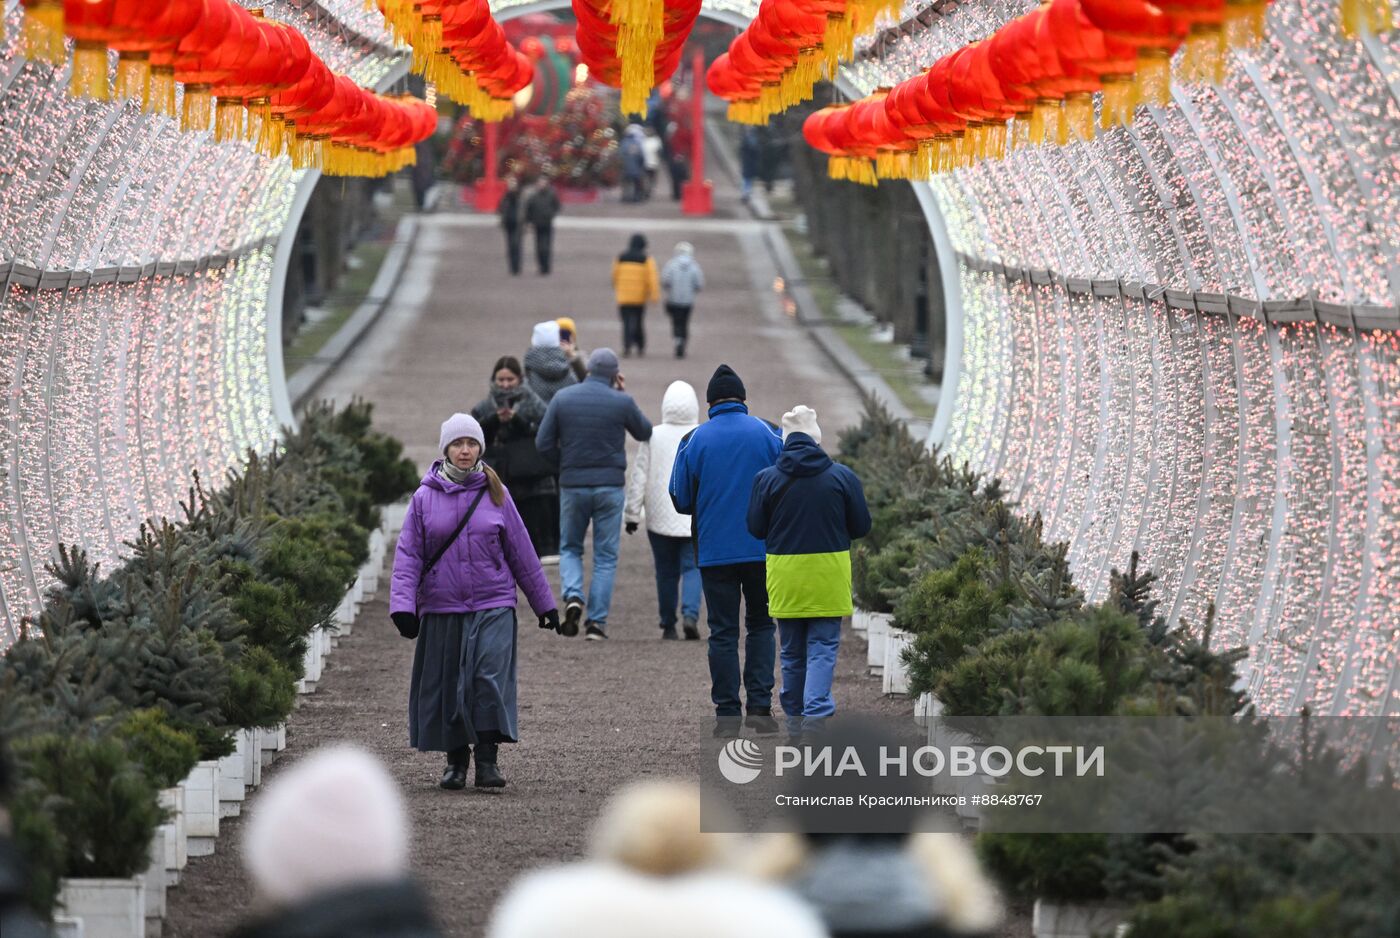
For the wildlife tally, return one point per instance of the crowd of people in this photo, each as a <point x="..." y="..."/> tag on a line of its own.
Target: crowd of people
<point x="327" y="849"/>
<point x="750" y="515"/>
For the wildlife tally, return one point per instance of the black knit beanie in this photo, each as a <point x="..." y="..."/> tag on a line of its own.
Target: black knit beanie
<point x="724" y="384"/>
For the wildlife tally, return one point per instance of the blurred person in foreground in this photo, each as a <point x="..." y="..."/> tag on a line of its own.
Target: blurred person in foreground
<point x="327" y="850"/>
<point x="651" y="873"/>
<point x="891" y="883"/>
<point x="17" y="918"/>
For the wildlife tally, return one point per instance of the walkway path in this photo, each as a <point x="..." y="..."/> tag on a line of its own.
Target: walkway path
<point x="592" y="715"/>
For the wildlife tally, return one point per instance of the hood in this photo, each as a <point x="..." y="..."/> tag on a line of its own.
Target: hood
<point x="548" y="362"/>
<point x="680" y="405"/>
<point x="683" y="260"/>
<point x="545" y="334"/>
<point x="801" y="456"/>
<point x="867" y="888"/>
<point x="433" y="480"/>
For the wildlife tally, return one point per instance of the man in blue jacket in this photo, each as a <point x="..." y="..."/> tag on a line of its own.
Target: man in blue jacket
<point x="808" y="509"/>
<point x="584" y="430"/>
<point x="711" y="481"/>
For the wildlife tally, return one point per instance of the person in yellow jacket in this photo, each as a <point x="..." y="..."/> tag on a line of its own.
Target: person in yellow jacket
<point x="635" y="284"/>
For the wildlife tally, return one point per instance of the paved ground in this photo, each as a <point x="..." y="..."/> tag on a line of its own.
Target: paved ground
<point x="592" y="715"/>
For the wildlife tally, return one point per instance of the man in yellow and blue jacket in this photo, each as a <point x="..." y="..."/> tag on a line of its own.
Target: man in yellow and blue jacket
<point x="807" y="509"/>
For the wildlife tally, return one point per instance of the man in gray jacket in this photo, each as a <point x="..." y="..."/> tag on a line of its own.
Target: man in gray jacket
<point x="584" y="430"/>
<point x="681" y="279"/>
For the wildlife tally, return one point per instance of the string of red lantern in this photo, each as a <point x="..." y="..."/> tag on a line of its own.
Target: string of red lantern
<point x="244" y="76"/>
<point x="633" y="45"/>
<point x="459" y="47"/>
<point x="1033" y="82"/>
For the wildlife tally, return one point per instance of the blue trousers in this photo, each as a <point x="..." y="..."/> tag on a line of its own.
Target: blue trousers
<point x="674" y="559"/>
<point x="809" y="649"/>
<point x="578" y="506"/>
<point x="724" y="585"/>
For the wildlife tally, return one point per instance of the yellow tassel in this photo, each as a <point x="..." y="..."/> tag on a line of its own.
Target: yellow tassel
<point x="996" y="142"/>
<point x="89" y="77"/>
<point x="134" y="78"/>
<point x="259" y="111"/>
<point x="270" y="139"/>
<point x="1244" y="22"/>
<point x="43" y="32"/>
<point x="1119" y="101"/>
<point x="1079" y="117"/>
<point x="1351" y="17"/>
<point x="228" y="120"/>
<point x="161" y="99"/>
<point x="1154" y="78"/>
<point x="1365" y="17"/>
<point x="1040" y="116"/>
<point x="1206" y="55"/>
<point x="196" y="110"/>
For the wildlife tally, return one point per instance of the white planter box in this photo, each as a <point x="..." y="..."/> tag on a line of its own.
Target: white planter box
<point x="252" y="757"/>
<point x="926" y="707"/>
<point x="1089" y="920"/>
<point x="232" y="785"/>
<point x="311" y="663"/>
<point x="109" y="908"/>
<point x="860" y="620"/>
<point x="896" y="674"/>
<point x="201" y="809"/>
<point x="393" y="516"/>
<point x="275" y="739"/>
<point x="174" y="855"/>
<point x="876" y="634"/>
<point x="153" y="880"/>
<point x="66" y="926"/>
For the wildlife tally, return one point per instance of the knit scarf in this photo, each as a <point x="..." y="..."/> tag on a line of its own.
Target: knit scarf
<point x="452" y="474"/>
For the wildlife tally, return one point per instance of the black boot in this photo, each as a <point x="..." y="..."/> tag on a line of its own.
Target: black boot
<point x="454" y="777"/>
<point x="486" y="774"/>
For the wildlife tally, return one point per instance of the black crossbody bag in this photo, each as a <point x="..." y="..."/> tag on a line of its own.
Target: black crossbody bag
<point x="461" y="526"/>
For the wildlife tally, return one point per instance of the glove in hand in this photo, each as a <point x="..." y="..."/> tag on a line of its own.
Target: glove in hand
<point x="550" y="620"/>
<point x="406" y="623"/>
<point x="631" y="527"/>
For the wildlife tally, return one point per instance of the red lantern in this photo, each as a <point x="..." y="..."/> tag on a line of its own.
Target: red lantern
<point x="89" y="23"/>
<point x="147" y="29"/>
<point x="1155" y="34"/>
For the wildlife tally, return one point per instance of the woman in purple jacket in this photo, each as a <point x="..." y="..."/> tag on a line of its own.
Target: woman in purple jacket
<point x="461" y="608"/>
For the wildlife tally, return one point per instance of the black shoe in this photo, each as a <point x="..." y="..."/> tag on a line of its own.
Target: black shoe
<point x="691" y="629"/>
<point x="668" y="633"/>
<point x="727" y="727"/>
<point x="760" y="720"/>
<point x="454" y="777"/>
<point x="487" y="776"/>
<point x="573" y="611"/>
<point x="594" y="634"/>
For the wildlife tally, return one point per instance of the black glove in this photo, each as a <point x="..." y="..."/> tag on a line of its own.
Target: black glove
<point x="631" y="527"/>
<point x="550" y="620"/>
<point x="406" y="623"/>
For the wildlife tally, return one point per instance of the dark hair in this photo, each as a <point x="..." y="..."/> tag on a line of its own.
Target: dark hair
<point x="638" y="243"/>
<point x="509" y="363"/>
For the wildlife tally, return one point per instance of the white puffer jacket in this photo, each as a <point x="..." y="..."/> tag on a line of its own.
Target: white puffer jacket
<point x="649" y="479"/>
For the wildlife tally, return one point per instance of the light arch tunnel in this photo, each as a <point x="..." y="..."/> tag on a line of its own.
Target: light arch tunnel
<point x="1181" y="338"/>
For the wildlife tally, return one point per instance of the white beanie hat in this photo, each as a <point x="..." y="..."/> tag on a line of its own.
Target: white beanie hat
<point x="333" y="820"/>
<point x="458" y="426"/>
<point x="802" y="419"/>
<point x="545" y="334"/>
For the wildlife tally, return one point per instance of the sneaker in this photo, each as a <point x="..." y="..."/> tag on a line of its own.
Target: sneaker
<point x="573" y="612"/>
<point x="595" y="634"/>
<point x="691" y="629"/>
<point x="760" y="720"/>
<point x="668" y="633"/>
<point x="550" y="560"/>
<point x="727" y="727"/>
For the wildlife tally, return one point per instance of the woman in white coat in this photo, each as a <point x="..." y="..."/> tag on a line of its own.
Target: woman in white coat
<point x="668" y="530"/>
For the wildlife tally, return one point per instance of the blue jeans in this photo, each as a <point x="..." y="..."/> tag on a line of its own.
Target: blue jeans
<point x="578" y="505"/>
<point x="723" y="587"/>
<point x="809" y="659"/>
<point x="674" y="558"/>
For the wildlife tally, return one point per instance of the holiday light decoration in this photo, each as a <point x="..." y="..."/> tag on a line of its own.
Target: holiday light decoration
<point x="633" y="45"/>
<point x="138" y="260"/>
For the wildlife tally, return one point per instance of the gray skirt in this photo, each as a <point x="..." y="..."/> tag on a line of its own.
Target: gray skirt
<point x="463" y="687"/>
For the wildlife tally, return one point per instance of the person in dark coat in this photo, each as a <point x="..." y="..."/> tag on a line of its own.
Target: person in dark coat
<point x="585" y="429"/>
<point x="541" y="208"/>
<point x="711" y="481"/>
<point x="512" y="210"/>
<point x="461" y="611"/>
<point x="327" y="850"/>
<point x="510" y="416"/>
<point x="807" y="509"/>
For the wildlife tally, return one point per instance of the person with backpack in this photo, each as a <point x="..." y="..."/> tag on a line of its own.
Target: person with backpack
<point x="635" y="284"/>
<point x="541" y="208"/>
<point x="461" y="555"/>
<point x="711" y="481"/>
<point x="681" y="280"/>
<point x="807" y="509"/>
